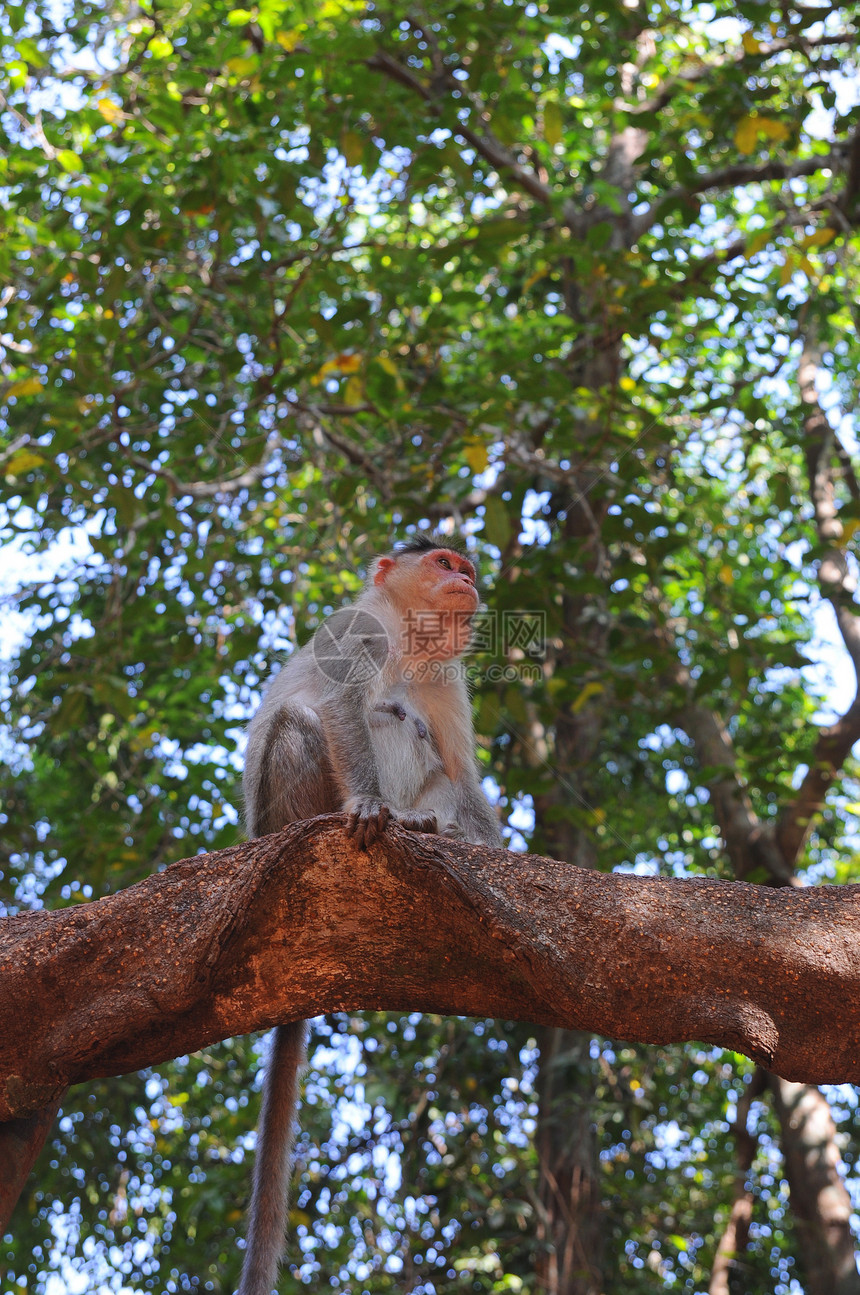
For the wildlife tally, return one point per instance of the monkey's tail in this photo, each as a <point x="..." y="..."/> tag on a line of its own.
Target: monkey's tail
<point x="267" y="1216"/>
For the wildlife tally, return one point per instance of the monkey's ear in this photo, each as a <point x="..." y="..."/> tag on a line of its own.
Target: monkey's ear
<point x="383" y="566"/>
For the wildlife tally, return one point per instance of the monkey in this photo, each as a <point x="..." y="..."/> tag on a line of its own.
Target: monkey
<point x="371" y="717"/>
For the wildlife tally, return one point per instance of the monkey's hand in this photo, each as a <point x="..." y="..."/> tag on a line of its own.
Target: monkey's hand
<point x="398" y="709"/>
<point x="366" y="822"/>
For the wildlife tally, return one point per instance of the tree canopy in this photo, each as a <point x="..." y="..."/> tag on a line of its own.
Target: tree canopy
<point x="580" y="282"/>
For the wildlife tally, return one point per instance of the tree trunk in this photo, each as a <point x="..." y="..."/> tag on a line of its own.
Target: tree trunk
<point x="819" y="1199"/>
<point x="728" y="1259"/>
<point x="21" y="1141"/>
<point x="570" y="1233"/>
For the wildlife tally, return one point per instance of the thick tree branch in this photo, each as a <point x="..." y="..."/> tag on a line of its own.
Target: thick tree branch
<point x="301" y="922"/>
<point x="21" y="1141"/>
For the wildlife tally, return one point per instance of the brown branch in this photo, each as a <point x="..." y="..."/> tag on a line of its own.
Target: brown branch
<point x="682" y="81"/>
<point x="850" y="202"/>
<point x="849" y="475"/>
<point x="730" y="176"/>
<point x="749" y="843"/>
<point x="197" y="953"/>
<point x="748" y="173"/>
<point x="492" y="150"/>
<point x="243" y="478"/>
<point x="21" y="1140"/>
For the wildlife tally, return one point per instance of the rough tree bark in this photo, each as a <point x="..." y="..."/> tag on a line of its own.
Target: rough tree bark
<point x="820" y="1201"/>
<point x="301" y="922"/>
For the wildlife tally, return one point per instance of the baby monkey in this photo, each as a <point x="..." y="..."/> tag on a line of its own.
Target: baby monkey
<point x="371" y="717"/>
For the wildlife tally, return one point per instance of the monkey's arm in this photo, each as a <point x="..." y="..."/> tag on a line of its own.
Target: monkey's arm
<point x="351" y="754"/>
<point x="474" y="815"/>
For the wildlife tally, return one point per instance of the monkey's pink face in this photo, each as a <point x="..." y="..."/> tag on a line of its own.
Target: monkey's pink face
<point x="449" y="579"/>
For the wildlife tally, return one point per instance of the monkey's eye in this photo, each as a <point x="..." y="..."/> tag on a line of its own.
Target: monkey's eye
<point x="443" y="562"/>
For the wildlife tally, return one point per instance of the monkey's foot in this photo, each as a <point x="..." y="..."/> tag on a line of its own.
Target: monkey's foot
<point x="417" y="822"/>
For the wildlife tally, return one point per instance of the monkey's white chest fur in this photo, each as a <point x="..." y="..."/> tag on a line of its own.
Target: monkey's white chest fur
<point x="405" y="752"/>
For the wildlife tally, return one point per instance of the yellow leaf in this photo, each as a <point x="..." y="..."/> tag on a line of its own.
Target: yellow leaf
<point x="25" y="387"/>
<point x="726" y="575"/>
<point x="627" y="384"/>
<point x="820" y="238"/>
<point x="552" y="123"/>
<point x="772" y="129"/>
<point x="758" y="242"/>
<point x="477" y="455"/>
<point x="23" y="461"/>
<point x="787" y="270"/>
<point x="388" y="365"/>
<point x="751" y="45"/>
<point x="749" y="128"/>
<point x="345" y="363"/>
<point x="354" y="392"/>
<point x="352" y="147"/>
<point x="746" y="134"/>
<point x="110" y="111"/>
<point x="68" y="160"/>
<point x="592" y="689"/>
<point x="241" y="66"/>
<point x="288" y="40"/>
<point x="533" y="278"/>
<point x="849" y="529"/>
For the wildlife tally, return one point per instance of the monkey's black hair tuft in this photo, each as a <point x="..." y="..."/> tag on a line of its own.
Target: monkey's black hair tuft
<point x="426" y="541"/>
